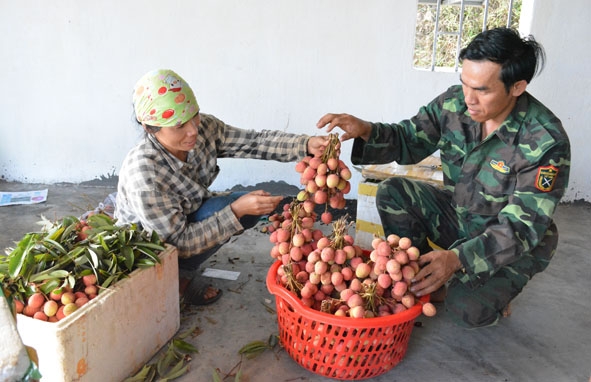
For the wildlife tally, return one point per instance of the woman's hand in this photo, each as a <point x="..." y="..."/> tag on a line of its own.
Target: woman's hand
<point x="352" y="126"/>
<point x="317" y="145"/>
<point x="437" y="268"/>
<point x="255" y="203"/>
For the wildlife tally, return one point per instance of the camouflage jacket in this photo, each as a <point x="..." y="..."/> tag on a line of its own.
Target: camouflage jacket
<point x="504" y="188"/>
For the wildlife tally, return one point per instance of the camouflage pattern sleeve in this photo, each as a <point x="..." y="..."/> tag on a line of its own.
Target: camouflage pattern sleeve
<point x="406" y="142"/>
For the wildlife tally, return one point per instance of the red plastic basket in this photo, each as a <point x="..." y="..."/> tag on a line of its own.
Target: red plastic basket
<point x="340" y="347"/>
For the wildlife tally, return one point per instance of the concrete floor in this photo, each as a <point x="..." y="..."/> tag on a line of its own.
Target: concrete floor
<point x="547" y="338"/>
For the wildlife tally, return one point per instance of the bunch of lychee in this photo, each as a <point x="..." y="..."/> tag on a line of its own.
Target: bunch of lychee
<point x="294" y="235"/>
<point x="325" y="178"/>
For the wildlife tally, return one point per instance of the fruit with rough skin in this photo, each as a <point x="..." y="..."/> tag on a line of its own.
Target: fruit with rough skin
<point x="404" y="243"/>
<point x="18" y="306"/>
<point x="89" y="279"/>
<point x="429" y="309"/>
<point x="50" y="308"/>
<point x="40" y="316"/>
<point x="36" y="300"/>
<point x="68" y="298"/>
<point x="70" y="308"/>
<point x="29" y="311"/>
<point x="56" y="294"/>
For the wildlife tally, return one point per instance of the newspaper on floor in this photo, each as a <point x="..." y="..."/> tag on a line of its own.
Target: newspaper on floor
<point x="22" y="197"/>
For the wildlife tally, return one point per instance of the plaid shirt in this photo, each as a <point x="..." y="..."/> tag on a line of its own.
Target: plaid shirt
<point x="158" y="190"/>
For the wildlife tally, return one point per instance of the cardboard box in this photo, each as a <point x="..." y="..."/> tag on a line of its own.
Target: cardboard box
<point x="368" y="221"/>
<point x="116" y="333"/>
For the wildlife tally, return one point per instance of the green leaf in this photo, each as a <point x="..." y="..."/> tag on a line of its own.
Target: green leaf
<point x="79" y="261"/>
<point x="69" y="220"/>
<point x="154" y="238"/>
<point x="76" y="252"/>
<point x="184" y="346"/>
<point x="111" y="279"/>
<point x="58" y="274"/>
<point x="253" y="349"/>
<point x="179" y="369"/>
<point x="114" y="267"/>
<point x="164" y="363"/>
<point x="144" y="263"/>
<point x="61" y="273"/>
<point x="50" y="285"/>
<point x="19" y="254"/>
<point x="121" y="237"/>
<point x="103" y="243"/>
<point x="99" y="220"/>
<point x="68" y="228"/>
<point x="93" y="257"/>
<point x="140" y="376"/>
<point x="129" y="257"/>
<point x="149" y="253"/>
<point x="56" y="234"/>
<point x="216" y="376"/>
<point x="187" y="332"/>
<point x="145" y="244"/>
<point x="54" y="245"/>
<point x="71" y="281"/>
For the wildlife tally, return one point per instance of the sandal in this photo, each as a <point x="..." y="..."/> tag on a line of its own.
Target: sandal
<point x="194" y="293"/>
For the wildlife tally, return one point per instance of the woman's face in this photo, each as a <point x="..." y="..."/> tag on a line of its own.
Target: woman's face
<point x="181" y="139"/>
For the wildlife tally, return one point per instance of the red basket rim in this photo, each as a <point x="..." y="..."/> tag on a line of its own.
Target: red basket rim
<point x="275" y="288"/>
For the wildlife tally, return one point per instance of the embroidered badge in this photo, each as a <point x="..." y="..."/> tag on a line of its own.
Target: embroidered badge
<point x="546" y="178"/>
<point x="500" y="166"/>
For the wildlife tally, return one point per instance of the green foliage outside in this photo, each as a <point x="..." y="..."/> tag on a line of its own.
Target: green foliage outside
<point x="449" y="22"/>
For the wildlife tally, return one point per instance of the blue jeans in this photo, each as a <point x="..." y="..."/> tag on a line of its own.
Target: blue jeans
<point x="208" y="208"/>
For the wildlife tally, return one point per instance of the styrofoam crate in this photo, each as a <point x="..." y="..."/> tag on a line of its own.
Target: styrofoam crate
<point x="113" y="335"/>
<point x="368" y="221"/>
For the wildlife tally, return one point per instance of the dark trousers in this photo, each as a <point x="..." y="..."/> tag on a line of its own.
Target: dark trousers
<point x="207" y="209"/>
<point x="419" y="210"/>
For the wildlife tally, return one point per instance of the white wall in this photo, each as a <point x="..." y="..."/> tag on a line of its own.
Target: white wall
<point x="68" y="68"/>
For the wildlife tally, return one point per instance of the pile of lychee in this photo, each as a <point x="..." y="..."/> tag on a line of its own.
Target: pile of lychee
<point x="337" y="277"/>
<point x="60" y="302"/>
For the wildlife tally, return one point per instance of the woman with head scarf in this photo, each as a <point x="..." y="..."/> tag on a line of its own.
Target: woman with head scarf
<point x="164" y="180"/>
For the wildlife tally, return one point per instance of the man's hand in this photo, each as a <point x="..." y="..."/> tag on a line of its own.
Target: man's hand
<point x="255" y="203"/>
<point x="352" y="126"/>
<point x="437" y="267"/>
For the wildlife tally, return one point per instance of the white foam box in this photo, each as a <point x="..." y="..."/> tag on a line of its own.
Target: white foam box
<point x="368" y="221"/>
<point x="113" y="335"/>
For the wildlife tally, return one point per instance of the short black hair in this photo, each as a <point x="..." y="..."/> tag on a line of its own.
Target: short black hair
<point x="520" y="58"/>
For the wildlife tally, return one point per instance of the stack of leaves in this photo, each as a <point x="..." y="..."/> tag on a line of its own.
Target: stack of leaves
<point x="57" y="258"/>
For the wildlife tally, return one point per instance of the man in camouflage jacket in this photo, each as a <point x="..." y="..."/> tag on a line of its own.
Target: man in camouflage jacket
<point x="505" y="160"/>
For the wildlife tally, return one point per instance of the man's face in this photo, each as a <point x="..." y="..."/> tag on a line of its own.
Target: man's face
<point x="484" y="92"/>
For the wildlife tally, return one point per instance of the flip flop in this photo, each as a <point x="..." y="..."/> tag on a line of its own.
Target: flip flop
<point x="195" y="292"/>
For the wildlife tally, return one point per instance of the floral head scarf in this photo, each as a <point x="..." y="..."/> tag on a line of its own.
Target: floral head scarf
<point x="162" y="98"/>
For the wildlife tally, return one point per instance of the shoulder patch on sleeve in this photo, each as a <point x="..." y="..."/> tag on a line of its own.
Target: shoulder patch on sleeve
<point x="546" y="178"/>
